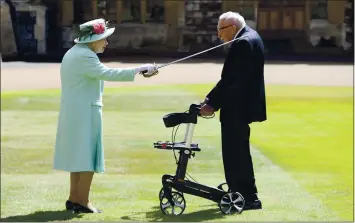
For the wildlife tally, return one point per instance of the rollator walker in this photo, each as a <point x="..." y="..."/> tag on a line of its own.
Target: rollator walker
<point x="173" y="202"/>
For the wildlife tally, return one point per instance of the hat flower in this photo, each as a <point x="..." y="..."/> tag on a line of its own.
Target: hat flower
<point x="98" y="28"/>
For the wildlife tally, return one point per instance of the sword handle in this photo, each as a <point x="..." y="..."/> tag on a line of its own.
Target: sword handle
<point x="145" y="71"/>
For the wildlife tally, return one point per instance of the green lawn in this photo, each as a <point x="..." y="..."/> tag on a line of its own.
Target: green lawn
<point x="303" y="157"/>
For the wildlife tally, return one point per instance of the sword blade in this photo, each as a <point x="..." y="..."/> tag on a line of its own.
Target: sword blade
<point x="193" y="55"/>
<point x="182" y="59"/>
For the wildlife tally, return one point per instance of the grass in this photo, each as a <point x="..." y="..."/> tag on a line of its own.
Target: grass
<point x="303" y="160"/>
<point x="314" y="134"/>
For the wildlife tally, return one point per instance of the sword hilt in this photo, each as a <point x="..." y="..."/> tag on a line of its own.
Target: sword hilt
<point x="145" y="71"/>
<point x="146" y="74"/>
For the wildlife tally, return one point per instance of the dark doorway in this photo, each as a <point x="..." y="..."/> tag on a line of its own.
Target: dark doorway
<point x="53" y="30"/>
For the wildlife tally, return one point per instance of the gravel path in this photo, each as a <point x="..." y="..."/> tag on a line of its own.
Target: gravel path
<point x="21" y="75"/>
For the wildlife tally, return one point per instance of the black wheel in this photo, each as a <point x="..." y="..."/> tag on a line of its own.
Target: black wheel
<point x="224" y="187"/>
<point x="231" y="203"/>
<point x="161" y="193"/>
<point x="179" y="204"/>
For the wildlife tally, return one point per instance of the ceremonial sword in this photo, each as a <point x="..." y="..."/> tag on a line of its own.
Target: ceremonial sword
<point x="182" y="59"/>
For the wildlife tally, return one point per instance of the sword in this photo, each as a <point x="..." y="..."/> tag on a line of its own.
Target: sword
<point x="182" y="59"/>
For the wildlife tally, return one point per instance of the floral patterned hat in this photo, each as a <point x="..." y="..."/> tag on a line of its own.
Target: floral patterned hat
<point x="93" y="30"/>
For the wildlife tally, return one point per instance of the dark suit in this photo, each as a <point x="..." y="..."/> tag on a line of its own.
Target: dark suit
<point x="240" y="97"/>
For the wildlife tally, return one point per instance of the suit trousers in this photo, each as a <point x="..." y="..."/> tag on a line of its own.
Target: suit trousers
<point x="237" y="160"/>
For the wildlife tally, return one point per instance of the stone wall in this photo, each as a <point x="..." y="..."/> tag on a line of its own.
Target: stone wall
<point x="31" y="24"/>
<point x="31" y="29"/>
<point x="127" y="36"/>
<point x="139" y="36"/>
<point x="8" y="43"/>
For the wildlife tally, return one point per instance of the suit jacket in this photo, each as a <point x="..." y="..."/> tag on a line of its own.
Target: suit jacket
<point x="79" y="131"/>
<point x="240" y="93"/>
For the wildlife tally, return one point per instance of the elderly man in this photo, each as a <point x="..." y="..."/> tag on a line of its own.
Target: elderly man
<point x="240" y="97"/>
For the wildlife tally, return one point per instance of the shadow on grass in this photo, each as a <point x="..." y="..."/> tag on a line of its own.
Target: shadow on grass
<point x="157" y="215"/>
<point x="42" y="216"/>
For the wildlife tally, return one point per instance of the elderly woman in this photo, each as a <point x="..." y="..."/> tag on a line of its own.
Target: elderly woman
<point x="79" y="146"/>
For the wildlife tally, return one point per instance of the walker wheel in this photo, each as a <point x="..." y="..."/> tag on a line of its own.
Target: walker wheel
<point x="232" y="202"/>
<point x="161" y="193"/>
<point x="224" y="187"/>
<point x="179" y="204"/>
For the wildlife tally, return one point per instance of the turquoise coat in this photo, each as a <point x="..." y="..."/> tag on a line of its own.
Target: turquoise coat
<point x="79" y="143"/>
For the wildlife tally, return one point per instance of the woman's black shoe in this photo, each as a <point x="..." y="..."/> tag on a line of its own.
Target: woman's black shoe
<point x="69" y="205"/>
<point x="82" y="209"/>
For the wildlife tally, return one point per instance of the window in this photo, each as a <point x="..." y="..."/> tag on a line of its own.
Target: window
<point x="101" y="8"/>
<point x="319" y="9"/>
<point x="155" y="11"/>
<point x="294" y="3"/>
<point x="82" y="11"/>
<point x="131" y="11"/>
<point x="78" y="8"/>
<point x="107" y="9"/>
<point x="248" y="11"/>
<point x="111" y="10"/>
<point x="270" y="3"/>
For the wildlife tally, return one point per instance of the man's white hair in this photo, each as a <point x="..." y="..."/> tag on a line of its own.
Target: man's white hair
<point x="233" y="18"/>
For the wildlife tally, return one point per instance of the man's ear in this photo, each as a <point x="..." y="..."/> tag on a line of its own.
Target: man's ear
<point x="235" y="29"/>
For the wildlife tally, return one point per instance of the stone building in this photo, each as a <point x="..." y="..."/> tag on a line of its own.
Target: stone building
<point x="170" y="25"/>
<point x="167" y="26"/>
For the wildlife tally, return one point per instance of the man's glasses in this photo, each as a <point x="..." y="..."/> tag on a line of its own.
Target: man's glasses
<point x="224" y="27"/>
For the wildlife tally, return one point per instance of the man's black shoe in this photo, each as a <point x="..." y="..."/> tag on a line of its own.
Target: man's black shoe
<point x="252" y="205"/>
<point x="69" y="205"/>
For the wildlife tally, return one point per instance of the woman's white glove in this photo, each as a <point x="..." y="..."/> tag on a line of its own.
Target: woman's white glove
<point x="148" y="70"/>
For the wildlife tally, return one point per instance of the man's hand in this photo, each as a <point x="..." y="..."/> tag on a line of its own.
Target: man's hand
<point x="204" y="102"/>
<point x="206" y="110"/>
